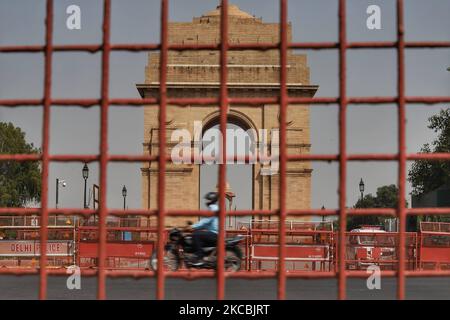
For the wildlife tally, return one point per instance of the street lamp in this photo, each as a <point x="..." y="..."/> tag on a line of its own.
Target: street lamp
<point x="124" y="194"/>
<point x="361" y="189"/>
<point x="85" y="172"/>
<point x="59" y="182"/>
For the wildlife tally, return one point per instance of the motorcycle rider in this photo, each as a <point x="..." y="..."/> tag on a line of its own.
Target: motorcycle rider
<point x="205" y="231"/>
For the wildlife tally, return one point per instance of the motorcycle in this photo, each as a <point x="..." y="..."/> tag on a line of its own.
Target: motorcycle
<point x="179" y="251"/>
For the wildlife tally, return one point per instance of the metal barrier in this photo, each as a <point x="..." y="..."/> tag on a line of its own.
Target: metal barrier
<point x="20" y="243"/>
<point x="364" y="249"/>
<point x="434" y="246"/>
<point x="283" y="100"/>
<point x="309" y="246"/>
<point x="126" y="247"/>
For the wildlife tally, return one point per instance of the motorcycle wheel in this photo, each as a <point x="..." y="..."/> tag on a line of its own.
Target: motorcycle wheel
<point x="232" y="261"/>
<point x="171" y="261"/>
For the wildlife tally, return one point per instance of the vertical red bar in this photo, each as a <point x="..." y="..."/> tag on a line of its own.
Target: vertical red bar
<point x="45" y="149"/>
<point x="283" y="151"/>
<point x="103" y="210"/>
<point x="162" y="146"/>
<point x="342" y="146"/>
<point x="223" y="148"/>
<point x="402" y="149"/>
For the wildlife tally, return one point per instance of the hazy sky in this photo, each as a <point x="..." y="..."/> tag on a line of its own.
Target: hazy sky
<point x="75" y="75"/>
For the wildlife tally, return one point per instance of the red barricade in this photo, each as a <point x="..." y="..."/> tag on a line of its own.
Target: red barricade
<point x="434" y="246"/>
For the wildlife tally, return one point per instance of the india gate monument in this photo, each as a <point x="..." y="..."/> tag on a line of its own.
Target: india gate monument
<point x="196" y="73"/>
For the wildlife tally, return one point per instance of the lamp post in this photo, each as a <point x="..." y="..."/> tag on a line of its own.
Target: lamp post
<point x="59" y="182"/>
<point x="63" y="183"/>
<point x="124" y="194"/>
<point x="85" y="172"/>
<point x="361" y="189"/>
<point x="229" y="195"/>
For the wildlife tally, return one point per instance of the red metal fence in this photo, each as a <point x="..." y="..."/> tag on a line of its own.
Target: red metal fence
<point x="434" y="246"/>
<point x="310" y="246"/>
<point x="283" y="100"/>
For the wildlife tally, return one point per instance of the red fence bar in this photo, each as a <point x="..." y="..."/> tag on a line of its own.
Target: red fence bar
<point x="204" y="213"/>
<point x="401" y="148"/>
<point x="223" y="149"/>
<point x="283" y="147"/>
<point x="45" y="148"/>
<point x="103" y="210"/>
<point x="162" y="147"/>
<point x="303" y="157"/>
<point x="342" y="146"/>
<point x="204" y="102"/>
<point x="400" y="45"/>
<point x="95" y="48"/>
<point x="189" y="275"/>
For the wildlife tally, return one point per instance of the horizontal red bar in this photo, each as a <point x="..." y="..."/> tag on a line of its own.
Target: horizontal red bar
<point x="246" y="159"/>
<point x="191" y="275"/>
<point x="94" y="48"/>
<point x="205" y="213"/>
<point x="215" y="101"/>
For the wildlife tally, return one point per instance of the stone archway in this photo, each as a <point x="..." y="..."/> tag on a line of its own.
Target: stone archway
<point x="242" y="138"/>
<point x="234" y="116"/>
<point x="195" y="74"/>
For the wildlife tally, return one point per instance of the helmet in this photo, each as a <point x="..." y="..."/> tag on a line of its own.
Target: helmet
<point x="211" y="197"/>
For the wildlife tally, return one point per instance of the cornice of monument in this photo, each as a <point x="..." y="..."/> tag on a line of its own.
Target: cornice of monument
<point x="200" y="89"/>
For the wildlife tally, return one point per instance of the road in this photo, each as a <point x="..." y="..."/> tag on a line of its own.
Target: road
<point x="26" y="287"/>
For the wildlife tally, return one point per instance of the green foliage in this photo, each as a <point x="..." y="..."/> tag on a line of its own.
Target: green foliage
<point x="425" y="175"/>
<point x="20" y="182"/>
<point x="386" y="197"/>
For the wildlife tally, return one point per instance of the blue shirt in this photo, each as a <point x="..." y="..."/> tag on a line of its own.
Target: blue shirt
<point x="210" y="223"/>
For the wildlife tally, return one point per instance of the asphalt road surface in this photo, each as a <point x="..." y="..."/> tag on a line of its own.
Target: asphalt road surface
<point x="26" y="287"/>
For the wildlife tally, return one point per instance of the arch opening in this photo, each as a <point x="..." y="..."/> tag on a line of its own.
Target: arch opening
<point x="241" y="141"/>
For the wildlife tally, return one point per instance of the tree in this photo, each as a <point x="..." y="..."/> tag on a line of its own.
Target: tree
<point x="426" y="175"/>
<point x="386" y="197"/>
<point x="20" y="182"/>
